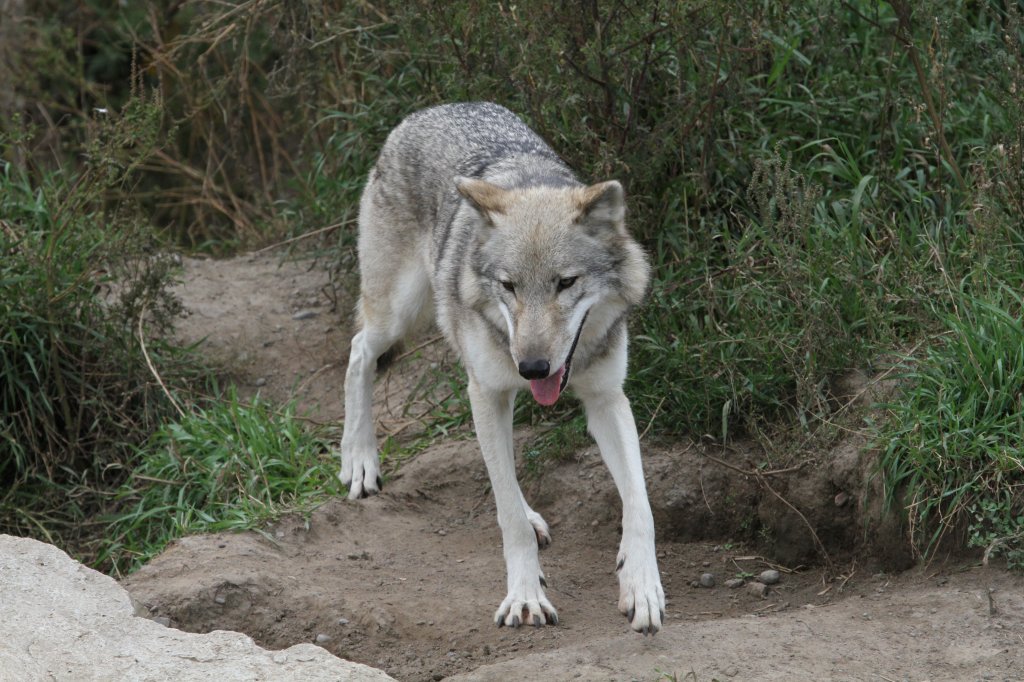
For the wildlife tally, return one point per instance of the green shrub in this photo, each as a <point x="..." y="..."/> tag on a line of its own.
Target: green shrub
<point x="81" y="289"/>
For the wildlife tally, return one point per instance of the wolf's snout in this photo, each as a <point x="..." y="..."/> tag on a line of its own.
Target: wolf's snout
<point x="534" y="369"/>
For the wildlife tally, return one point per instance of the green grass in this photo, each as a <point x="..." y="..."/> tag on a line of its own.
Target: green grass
<point x="227" y="466"/>
<point x="953" y="444"/>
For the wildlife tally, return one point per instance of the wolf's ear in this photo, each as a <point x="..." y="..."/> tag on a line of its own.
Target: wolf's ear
<point x="602" y="207"/>
<point x="482" y="195"/>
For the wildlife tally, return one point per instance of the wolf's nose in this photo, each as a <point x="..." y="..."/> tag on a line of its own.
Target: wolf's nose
<point x="534" y="369"/>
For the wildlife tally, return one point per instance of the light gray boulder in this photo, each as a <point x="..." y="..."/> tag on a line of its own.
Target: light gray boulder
<point x="62" y="621"/>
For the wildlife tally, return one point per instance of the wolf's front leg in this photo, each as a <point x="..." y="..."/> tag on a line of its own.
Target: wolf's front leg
<point x="641" y="597"/>
<point x="360" y="464"/>
<point x="525" y="601"/>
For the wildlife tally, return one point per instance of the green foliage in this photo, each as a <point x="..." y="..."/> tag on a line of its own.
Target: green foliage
<point x="80" y="290"/>
<point x="805" y="176"/>
<point x="228" y="466"/>
<point x="953" y="442"/>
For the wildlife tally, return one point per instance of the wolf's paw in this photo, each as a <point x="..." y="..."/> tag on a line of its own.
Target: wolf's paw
<point x="540" y="527"/>
<point x="360" y="473"/>
<point x="526" y="605"/>
<point x="641" y="598"/>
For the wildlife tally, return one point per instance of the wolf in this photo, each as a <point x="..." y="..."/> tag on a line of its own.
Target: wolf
<point x="470" y="217"/>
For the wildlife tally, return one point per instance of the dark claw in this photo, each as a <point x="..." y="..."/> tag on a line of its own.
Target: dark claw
<point x="516" y="622"/>
<point x="618" y="566"/>
<point x="537" y="621"/>
<point x="543" y="583"/>
<point x="553" y="618"/>
<point x="662" y="615"/>
<point x="501" y="622"/>
<point x="630" y="614"/>
<point x="380" y="483"/>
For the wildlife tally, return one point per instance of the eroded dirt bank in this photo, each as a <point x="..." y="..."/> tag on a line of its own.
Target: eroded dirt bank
<point x="408" y="581"/>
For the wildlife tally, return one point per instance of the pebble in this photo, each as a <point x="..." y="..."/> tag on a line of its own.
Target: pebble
<point x="757" y="589"/>
<point x="841" y="499"/>
<point x="305" y="315"/>
<point x="322" y="638"/>
<point x="733" y="583"/>
<point x="769" y="577"/>
<point x="343" y="621"/>
<point x="220" y="599"/>
<point x="707" y="580"/>
<point x="262" y="381"/>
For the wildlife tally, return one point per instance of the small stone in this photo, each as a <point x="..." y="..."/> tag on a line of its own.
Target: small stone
<point x="841" y="498"/>
<point x="694" y="583"/>
<point x="756" y="589"/>
<point x="262" y="381"/>
<point x="733" y="583"/>
<point x="442" y="532"/>
<point x="769" y="577"/>
<point x="220" y="599"/>
<point x="731" y="671"/>
<point x="707" y="580"/>
<point x="343" y="621"/>
<point x="322" y="638"/>
<point x="305" y="315"/>
<point x="163" y="620"/>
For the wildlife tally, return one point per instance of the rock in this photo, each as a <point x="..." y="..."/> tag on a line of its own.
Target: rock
<point x="262" y="381"/>
<point x="65" y="621"/>
<point x="769" y="577"/>
<point x="305" y="315"/>
<point x="707" y="580"/>
<point x="322" y="638"/>
<point x="756" y="589"/>
<point x="733" y="583"/>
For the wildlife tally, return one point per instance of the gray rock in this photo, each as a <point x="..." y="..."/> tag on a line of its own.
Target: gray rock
<point x="322" y="638"/>
<point x="305" y="315"/>
<point x="756" y="589"/>
<point x="65" y="621"/>
<point x="707" y="580"/>
<point x="733" y="583"/>
<point x="769" y="577"/>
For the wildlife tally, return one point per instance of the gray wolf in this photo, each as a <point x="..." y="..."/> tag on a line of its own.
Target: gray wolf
<point x="470" y="216"/>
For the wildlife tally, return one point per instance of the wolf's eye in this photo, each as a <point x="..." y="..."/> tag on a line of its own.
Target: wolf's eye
<point x="565" y="283"/>
<point x="509" y="286"/>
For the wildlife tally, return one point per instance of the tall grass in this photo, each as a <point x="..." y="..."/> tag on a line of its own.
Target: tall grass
<point x="953" y="443"/>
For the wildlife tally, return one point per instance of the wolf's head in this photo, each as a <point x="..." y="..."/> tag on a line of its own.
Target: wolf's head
<point x="549" y="259"/>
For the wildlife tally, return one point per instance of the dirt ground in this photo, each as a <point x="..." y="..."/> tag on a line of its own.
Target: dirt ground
<point x="408" y="581"/>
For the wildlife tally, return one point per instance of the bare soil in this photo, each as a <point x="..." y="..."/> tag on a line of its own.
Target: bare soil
<point x="408" y="581"/>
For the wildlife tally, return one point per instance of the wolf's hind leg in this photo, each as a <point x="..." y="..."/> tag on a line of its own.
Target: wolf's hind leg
<point x="540" y="526"/>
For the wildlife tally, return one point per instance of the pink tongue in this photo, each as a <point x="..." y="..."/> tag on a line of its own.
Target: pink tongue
<point x="546" y="391"/>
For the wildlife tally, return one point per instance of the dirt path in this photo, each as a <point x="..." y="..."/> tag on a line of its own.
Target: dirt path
<point x="408" y="581"/>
